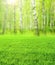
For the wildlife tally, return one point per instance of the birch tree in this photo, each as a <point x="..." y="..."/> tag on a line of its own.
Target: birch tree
<point x="15" y="18"/>
<point x="0" y="16"/>
<point x="35" y="16"/>
<point x="44" y="16"/>
<point x="31" y="22"/>
<point x="20" y="13"/>
<point x="5" y="18"/>
<point x="52" y="16"/>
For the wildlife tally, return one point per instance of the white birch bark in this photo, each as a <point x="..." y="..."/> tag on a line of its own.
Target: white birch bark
<point x="5" y="18"/>
<point x="44" y="16"/>
<point x="52" y="16"/>
<point x="15" y="18"/>
<point x="35" y="16"/>
<point x="20" y="13"/>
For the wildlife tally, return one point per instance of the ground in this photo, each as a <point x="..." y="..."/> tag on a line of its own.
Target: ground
<point x="27" y="50"/>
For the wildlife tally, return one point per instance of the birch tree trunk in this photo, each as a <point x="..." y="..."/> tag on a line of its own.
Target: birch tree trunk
<point x="35" y="16"/>
<point x="44" y="17"/>
<point x="5" y="18"/>
<point x="52" y="16"/>
<point x="21" y="18"/>
<point x="15" y="31"/>
<point x="31" y="21"/>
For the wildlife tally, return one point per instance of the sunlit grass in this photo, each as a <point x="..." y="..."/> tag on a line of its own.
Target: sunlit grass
<point x="27" y="50"/>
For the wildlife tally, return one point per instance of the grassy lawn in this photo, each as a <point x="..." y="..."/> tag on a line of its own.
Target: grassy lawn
<point x="27" y="50"/>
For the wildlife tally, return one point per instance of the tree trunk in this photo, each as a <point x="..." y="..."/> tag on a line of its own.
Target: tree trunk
<point x="52" y="17"/>
<point x="15" y="31"/>
<point x="5" y="18"/>
<point x="35" y="17"/>
<point x="44" y="17"/>
<point x="20" y="13"/>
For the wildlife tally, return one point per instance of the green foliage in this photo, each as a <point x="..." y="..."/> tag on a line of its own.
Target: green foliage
<point x="27" y="50"/>
<point x="26" y="13"/>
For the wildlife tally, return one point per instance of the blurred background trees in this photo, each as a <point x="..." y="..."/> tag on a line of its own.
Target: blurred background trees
<point x="27" y="15"/>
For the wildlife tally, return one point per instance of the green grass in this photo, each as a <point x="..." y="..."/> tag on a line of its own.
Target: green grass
<point x="27" y="50"/>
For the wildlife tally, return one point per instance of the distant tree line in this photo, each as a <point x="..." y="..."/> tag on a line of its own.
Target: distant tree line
<point x="39" y="19"/>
